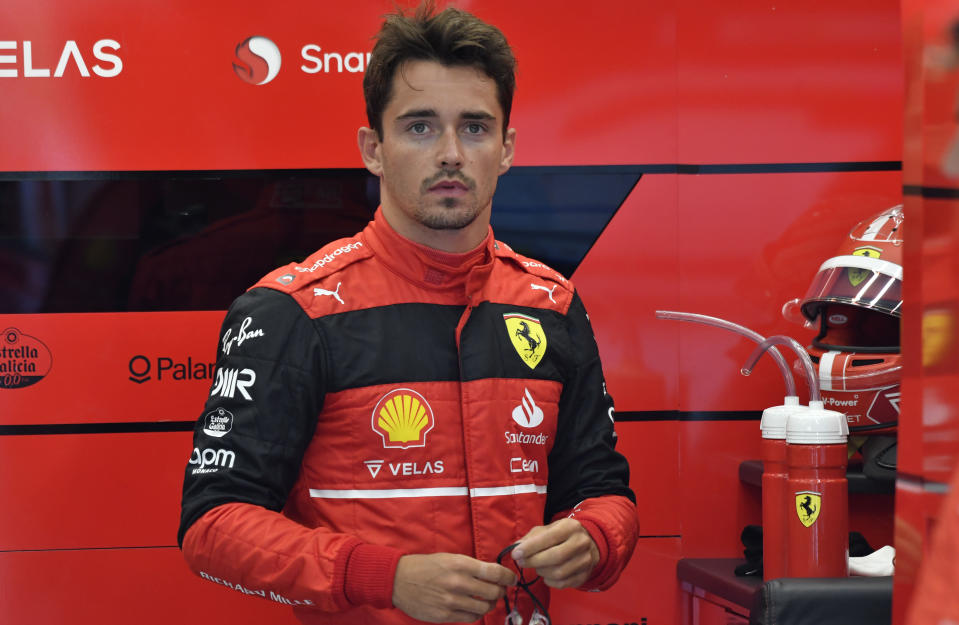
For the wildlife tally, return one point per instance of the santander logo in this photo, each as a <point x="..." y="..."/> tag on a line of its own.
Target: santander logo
<point x="257" y="60"/>
<point x="528" y="414"/>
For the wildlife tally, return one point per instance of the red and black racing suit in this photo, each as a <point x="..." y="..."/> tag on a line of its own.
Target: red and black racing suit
<point x="383" y="398"/>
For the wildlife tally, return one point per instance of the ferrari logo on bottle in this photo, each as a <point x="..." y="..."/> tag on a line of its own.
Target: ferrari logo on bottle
<point x="856" y="276"/>
<point x="527" y="336"/>
<point x="808" y="504"/>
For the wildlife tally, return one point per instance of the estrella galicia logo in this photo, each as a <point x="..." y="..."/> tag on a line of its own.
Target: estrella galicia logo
<point x="143" y="369"/>
<point x="24" y="359"/>
<point x="218" y="423"/>
<point x="257" y="60"/>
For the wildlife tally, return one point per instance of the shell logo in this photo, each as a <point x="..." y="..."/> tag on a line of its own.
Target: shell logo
<point x="403" y="418"/>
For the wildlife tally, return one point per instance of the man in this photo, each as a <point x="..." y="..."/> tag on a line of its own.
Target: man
<point x="390" y="415"/>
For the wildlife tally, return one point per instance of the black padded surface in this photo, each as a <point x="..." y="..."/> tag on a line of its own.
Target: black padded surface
<point x="823" y="601"/>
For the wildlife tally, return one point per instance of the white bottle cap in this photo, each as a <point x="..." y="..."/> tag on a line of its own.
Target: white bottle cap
<point x="817" y="426"/>
<point x="773" y="423"/>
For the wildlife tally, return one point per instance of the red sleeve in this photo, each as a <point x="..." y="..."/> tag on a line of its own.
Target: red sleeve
<point x="613" y="525"/>
<point x="260" y="552"/>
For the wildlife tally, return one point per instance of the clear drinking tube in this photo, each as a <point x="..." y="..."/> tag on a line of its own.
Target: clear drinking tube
<point x="738" y="329"/>
<point x="801" y="353"/>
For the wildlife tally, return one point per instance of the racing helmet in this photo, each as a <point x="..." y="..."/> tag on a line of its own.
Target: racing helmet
<point x="855" y="300"/>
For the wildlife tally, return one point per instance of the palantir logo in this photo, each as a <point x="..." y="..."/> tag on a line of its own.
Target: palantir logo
<point x="142" y="369"/>
<point x="257" y="60"/>
<point x="139" y="369"/>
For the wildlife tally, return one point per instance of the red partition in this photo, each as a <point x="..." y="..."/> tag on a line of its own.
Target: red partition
<point x="762" y="134"/>
<point x="929" y="429"/>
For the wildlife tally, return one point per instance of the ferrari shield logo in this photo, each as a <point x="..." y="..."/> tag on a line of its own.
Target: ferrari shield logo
<point x="527" y="336"/>
<point x="808" y="504"/>
<point x="856" y="276"/>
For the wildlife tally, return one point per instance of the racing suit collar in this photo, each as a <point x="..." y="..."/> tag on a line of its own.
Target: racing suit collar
<point x="426" y="266"/>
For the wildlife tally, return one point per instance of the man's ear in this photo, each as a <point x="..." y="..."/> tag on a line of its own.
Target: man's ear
<point x="369" y="144"/>
<point x="509" y="147"/>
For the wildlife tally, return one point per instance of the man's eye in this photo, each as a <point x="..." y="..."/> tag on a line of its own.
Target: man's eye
<point x="475" y="129"/>
<point x="419" y="128"/>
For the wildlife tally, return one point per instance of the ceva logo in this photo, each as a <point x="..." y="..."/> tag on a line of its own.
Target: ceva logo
<point x="257" y="60"/>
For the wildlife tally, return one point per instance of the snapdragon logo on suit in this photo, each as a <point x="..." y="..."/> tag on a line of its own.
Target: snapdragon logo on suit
<point x="257" y="60"/>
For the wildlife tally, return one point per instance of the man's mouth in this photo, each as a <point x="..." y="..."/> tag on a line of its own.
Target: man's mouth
<point x="450" y="190"/>
<point x="449" y="186"/>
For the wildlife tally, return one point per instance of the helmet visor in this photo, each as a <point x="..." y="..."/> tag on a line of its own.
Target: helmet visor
<point x="860" y="281"/>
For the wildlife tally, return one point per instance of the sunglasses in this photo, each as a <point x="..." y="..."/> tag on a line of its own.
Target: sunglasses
<point x="540" y="616"/>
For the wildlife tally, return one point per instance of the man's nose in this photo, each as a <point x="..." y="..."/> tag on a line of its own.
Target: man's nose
<point x="449" y="151"/>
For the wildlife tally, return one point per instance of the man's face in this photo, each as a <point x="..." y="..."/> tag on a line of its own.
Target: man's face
<point x="441" y="154"/>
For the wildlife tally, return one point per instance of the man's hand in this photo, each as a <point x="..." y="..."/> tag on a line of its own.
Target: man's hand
<point x="563" y="553"/>
<point x="448" y="587"/>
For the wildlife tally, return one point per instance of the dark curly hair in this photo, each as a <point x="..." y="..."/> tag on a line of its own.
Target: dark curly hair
<point x="451" y="37"/>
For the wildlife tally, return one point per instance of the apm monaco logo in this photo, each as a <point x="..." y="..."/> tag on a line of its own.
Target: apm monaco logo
<point x="211" y="460"/>
<point x="24" y="359"/>
<point x="257" y="60"/>
<point x="403" y="418"/>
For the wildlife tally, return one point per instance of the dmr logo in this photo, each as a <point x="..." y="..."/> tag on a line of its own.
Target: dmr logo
<point x="257" y="61"/>
<point x="31" y="63"/>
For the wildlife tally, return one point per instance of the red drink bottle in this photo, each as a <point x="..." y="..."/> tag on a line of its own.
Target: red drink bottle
<point x="774" y="497"/>
<point x="817" y="509"/>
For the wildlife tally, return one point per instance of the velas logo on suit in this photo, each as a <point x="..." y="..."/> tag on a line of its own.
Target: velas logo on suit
<point x="257" y="60"/>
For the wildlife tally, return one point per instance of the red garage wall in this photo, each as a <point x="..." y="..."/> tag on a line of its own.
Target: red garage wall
<point x="929" y="434"/>
<point x="760" y="133"/>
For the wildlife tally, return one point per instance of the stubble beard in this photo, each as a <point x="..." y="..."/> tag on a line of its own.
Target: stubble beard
<point x="450" y="213"/>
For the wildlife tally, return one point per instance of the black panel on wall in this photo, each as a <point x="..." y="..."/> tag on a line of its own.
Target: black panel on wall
<point x="116" y="242"/>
